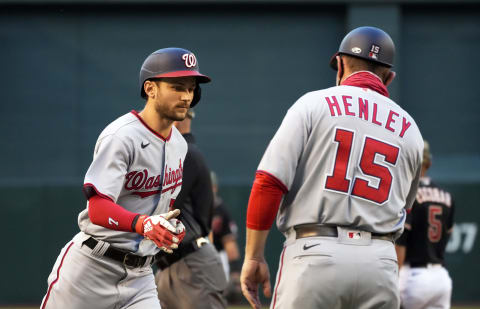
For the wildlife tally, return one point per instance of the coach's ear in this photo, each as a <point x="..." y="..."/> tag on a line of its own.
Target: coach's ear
<point x="390" y="78"/>
<point x="339" y="70"/>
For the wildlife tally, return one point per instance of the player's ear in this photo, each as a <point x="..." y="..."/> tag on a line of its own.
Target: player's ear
<point x="390" y="77"/>
<point x="150" y="88"/>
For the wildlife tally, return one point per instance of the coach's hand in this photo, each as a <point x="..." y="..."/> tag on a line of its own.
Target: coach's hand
<point x="255" y="272"/>
<point x="163" y="229"/>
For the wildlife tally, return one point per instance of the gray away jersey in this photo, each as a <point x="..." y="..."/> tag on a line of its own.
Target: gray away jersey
<point x="137" y="169"/>
<point x="348" y="156"/>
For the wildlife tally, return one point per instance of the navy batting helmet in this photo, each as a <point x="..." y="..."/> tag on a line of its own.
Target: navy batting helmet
<point x="368" y="43"/>
<point x="172" y="62"/>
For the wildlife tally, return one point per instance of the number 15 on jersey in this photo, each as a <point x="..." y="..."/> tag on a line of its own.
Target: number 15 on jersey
<point x="368" y="165"/>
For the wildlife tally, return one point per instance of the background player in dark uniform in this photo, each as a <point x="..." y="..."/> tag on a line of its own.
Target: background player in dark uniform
<point x="193" y="276"/>
<point x="424" y="281"/>
<point x="224" y="232"/>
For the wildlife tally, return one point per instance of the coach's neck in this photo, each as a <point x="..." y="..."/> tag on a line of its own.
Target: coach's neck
<point x="347" y="65"/>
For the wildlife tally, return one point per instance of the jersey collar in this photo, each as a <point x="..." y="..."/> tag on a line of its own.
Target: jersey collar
<point x="165" y="139"/>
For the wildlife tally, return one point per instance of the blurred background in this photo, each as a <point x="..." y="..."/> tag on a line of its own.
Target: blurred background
<point x="70" y="67"/>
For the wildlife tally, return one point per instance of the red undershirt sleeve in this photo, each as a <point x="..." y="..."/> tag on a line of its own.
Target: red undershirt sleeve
<point x="104" y="212"/>
<point x="265" y="197"/>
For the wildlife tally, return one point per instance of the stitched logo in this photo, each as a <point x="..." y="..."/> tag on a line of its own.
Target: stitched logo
<point x="144" y="145"/>
<point x="190" y="60"/>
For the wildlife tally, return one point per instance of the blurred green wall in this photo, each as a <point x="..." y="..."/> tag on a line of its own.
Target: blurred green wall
<point x="69" y="69"/>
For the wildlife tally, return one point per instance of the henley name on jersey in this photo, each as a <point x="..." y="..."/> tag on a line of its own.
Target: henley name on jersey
<point x="359" y="107"/>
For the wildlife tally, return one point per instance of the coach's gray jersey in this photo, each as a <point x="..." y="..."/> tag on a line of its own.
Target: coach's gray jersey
<point x="137" y="169"/>
<point x="348" y="156"/>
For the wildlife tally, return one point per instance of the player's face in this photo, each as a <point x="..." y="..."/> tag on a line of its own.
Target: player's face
<point x="174" y="96"/>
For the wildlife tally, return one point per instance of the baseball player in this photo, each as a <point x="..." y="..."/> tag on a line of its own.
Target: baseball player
<point x="424" y="281"/>
<point x="340" y="171"/>
<point x="192" y="277"/>
<point x="130" y="186"/>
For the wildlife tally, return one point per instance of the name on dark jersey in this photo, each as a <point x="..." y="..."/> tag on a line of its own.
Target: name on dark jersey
<point x="433" y="195"/>
<point x="368" y="112"/>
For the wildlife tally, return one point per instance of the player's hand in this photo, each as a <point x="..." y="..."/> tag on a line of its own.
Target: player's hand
<point x="254" y="273"/>
<point x="160" y="230"/>
<point x="179" y="228"/>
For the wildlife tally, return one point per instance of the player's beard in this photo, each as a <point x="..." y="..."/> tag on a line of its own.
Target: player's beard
<point x="171" y="113"/>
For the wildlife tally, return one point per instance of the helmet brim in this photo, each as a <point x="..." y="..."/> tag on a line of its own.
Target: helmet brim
<point x="333" y="60"/>
<point x="200" y="77"/>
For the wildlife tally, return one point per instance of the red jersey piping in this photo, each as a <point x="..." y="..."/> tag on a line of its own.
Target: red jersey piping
<point x="58" y="276"/>
<point x="279" y="278"/>
<point x="152" y="130"/>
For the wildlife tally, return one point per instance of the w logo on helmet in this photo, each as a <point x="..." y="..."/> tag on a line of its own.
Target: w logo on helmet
<point x="190" y="60"/>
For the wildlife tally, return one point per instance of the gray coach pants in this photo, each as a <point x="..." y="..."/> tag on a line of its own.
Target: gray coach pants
<point x="334" y="273"/>
<point x="196" y="281"/>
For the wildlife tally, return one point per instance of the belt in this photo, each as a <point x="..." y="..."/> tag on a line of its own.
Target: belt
<point x="122" y="256"/>
<point x="165" y="260"/>
<point x="312" y="230"/>
<point x="424" y="265"/>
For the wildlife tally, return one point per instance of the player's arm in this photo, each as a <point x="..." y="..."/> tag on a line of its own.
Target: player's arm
<point x="230" y="244"/>
<point x="103" y="183"/>
<point x="412" y="193"/>
<point x="104" y="212"/>
<point x="255" y="270"/>
<point x="274" y="176"/>
<point x="265" y="198"/>
<point x="228" y="237"/>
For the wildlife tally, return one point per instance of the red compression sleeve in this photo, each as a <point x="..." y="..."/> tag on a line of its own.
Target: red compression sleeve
<point x="106" y="213"/>
<point x="265" y="198"/>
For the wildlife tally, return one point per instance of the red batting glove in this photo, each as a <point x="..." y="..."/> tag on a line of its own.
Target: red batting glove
<point x="158" y="229"/>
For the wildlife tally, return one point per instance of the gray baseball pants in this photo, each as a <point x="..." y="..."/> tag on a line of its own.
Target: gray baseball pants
<point x="336" y="273"/>
<point x="83" y="279"/>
